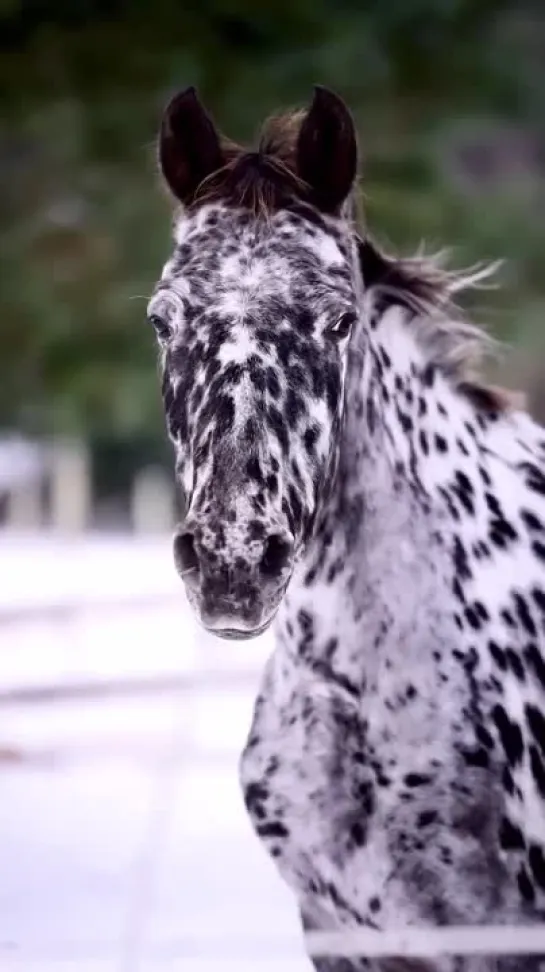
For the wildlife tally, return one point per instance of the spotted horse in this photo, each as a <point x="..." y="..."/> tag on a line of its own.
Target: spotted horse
<point x="345" y="472"/>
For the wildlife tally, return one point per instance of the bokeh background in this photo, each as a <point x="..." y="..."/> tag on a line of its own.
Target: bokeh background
<point x="99" y="658"/>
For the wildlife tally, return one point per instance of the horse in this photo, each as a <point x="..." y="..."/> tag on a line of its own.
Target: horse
<point x="347" y="474"/>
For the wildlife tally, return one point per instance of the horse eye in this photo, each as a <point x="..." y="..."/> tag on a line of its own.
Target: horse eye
<point x="161" y="326"/>
<point x="342" y="326"/>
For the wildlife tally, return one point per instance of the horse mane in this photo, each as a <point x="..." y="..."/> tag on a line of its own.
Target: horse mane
<point x="265" y="181"/>
<point x="262" y="180"/>
<point x="425" y="288"/>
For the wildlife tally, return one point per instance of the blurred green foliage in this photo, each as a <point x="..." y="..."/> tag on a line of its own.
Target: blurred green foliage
<point x="449" y="97"/>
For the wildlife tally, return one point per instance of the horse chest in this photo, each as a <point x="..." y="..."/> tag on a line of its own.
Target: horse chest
<point x="306" y="784"/>
<point x="331" y="778"/>
<point x="315" y="782"/>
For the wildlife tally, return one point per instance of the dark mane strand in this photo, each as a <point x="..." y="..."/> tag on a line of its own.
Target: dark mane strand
<point x="396" y="278"/>
<point x="261" y="183"/>
<point x="263" y="180"/>
<point x="427" y="292"/>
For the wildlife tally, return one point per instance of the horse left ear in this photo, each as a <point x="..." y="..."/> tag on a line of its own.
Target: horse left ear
<point x="189" y="145"/>
<point x="327" y="150"/>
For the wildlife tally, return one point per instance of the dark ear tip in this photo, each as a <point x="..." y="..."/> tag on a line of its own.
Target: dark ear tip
<point x="180" y="100"/>
<point x="185" y="94"/>
<point x="188" y="94"/>
<point x="326" y="98"/>
<point x="320" y="91"/>
<point x="182" y="107"/>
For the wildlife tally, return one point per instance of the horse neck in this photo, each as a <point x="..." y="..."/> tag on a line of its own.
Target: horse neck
<point x="407" y="427"/>
<point x="378" y="551"/>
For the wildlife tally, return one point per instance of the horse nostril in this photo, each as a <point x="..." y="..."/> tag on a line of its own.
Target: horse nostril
<point x="185" y="554"/>
<point x="276" y="555"/>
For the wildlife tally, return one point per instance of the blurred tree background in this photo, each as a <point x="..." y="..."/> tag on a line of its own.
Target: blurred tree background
<point x="449" y="97"/>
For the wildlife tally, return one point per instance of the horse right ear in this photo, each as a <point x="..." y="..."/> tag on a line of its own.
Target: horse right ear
<point x="327" y="151"/>
<point x="189" y="145"/>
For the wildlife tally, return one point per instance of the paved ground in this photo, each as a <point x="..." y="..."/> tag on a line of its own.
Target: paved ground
<point x="123" y="841"/>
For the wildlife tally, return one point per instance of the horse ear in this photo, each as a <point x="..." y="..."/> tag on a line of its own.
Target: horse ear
<point x="189" y="145"/>
<point x="327" y="151"/>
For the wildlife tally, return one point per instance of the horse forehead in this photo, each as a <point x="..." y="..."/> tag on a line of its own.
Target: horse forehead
<point x="251" y="250"/>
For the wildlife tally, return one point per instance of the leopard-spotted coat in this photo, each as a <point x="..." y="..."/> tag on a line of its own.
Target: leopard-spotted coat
<point x="346" y="474"/>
